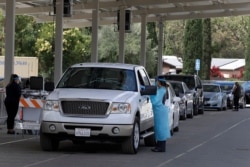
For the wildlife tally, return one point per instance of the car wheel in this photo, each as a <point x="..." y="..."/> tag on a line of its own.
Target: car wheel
<point x="196" y="108"/>
<point x="201" y="111"/>
<point x="131" y="144"/>
<point x="48" y="143"/>
<point x="225" y="106"/>
<point x="184" y="116"/>
<point x="191" y="115"/>
<point x="177" y="129"/>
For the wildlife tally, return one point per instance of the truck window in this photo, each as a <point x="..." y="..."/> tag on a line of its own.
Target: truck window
<point x="143" y="78"/>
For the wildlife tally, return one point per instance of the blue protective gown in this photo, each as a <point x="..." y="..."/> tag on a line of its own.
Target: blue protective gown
<point x="161" y="124"/>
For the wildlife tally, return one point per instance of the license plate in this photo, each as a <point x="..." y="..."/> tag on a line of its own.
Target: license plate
<point x="84" y="132"/>
<point x="31" y="126"/>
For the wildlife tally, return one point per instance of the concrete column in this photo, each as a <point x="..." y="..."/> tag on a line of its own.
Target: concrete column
<point x="58" y="41"/>
<point x="143" y="39"/>
<point x="95" y="24"/>
<point x="9" y="40"/>
<point x="160" y="47"/>
<point x="122" y="35"/>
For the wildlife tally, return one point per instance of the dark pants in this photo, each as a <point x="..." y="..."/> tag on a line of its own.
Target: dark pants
<point x="236" y="102"/>
<point x="12" y="109"/>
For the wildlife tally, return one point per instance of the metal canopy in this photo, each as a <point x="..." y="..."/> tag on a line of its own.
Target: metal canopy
<point x="42" y="10"/>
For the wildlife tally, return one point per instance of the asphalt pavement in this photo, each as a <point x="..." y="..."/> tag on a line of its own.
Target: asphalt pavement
<point x="214" y="139"/>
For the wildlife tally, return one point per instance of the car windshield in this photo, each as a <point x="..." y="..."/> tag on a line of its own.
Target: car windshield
<point x="177" y="88"/>
<point x="246" y="85"/>
<point x="226" y="88"/>
<point x="211" y="88"/>
<point x="189" y="80"/>
<point x="99" y="78"/>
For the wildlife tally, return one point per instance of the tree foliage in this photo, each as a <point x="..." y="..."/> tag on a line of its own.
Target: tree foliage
<point x="192" y="45"/>
<point x="26" y="35"/>
<point x="76" y="48"/>
<point x="108" y="45"/>
<point x="229" y="37"/>
<point x="207" y="50"/>
<point x="174" y="35"/>
<point x="247" y="56"/>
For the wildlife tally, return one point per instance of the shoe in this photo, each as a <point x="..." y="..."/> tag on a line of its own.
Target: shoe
<point x="157" y="150"/>
<point x="11" y="132"/>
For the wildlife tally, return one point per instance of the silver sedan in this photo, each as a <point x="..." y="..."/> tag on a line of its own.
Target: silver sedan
<point x="214" y="97"/>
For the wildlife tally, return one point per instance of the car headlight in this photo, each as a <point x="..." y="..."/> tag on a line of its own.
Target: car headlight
<point x="121" y="108"/>
<point x="51" y="105"/>
<point x="230" y="96"/>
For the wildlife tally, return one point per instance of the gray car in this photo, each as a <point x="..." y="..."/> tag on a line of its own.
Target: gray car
<point x="187" y="97"/>
<point x="214" y="97"/>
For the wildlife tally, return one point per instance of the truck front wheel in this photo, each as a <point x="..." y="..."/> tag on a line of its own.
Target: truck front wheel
<point x="131" y="144"/>
<point x="48" y="143"/>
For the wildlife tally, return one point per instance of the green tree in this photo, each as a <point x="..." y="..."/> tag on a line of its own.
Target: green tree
<point x="45" y="50"/>
<point x="206" y="56"/>
<point x="173" y="35"/>
<point x="152" y="34"/>
<point x="25" y="37"/>
<point x="76" y="48"/>
<point x="1" y="33"/>
<point x="247" y="55"/>
<point x="229" y="36"/>
<point x="192" y="45"/>
<point x="109" y="44"/>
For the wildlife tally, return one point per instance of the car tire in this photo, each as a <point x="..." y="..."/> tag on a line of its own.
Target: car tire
<point x="196" y="108"/>
<point x="48" y="143"/>
<point x="131" y="144"/>
<point x="176" y="129"/>
<point x="184" y="116"/>
<point x="191" y="115"/>
<point x="201" y="111"/>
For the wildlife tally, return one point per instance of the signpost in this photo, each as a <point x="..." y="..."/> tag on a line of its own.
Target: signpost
<point x="197" y="65"/>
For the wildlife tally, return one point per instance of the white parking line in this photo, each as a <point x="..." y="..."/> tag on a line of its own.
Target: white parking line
<point x="16" y="141"/>
<point x="203" y="143"/>
<point x="46" y="160"/>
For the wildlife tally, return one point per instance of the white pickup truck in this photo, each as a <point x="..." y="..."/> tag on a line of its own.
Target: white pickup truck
<point x="100" y="102"/>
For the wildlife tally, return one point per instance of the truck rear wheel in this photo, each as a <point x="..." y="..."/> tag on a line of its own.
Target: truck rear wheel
<point x="131" y="144"/>
<point x="48" y="143"/>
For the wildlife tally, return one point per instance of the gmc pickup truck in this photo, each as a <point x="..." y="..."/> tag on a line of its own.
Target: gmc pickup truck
<point x="100" y="102"/>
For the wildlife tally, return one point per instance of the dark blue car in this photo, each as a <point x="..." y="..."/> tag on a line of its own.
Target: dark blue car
<point x="246" y="87"/>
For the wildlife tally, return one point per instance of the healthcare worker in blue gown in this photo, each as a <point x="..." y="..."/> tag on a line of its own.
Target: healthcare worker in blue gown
<point x="161" y="124"/>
